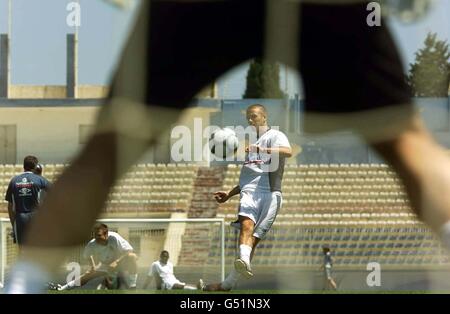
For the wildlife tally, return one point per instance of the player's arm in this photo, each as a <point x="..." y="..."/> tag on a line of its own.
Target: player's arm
<point x="152" y="273"/>
<point x="283" y="151"/>
<point x="222" y="196"/>
<point x="11" y="213"/>
<point x="114" y="263"/>
<point x="9" y="199"/>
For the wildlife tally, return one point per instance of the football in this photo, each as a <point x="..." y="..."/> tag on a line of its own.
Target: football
<point x="223" y="143"/>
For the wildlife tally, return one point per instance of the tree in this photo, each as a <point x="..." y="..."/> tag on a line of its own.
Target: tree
<point x="263" y="80"/>
<point x="429" y="76"/>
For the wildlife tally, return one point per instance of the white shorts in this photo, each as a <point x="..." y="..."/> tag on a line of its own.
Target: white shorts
<point x="168" y="283"/>
<point x="262" y="208"/>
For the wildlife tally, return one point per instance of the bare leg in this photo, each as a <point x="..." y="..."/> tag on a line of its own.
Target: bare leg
<point x="246" y="235"/>
<point x="332" y="283"/>
<point x="233" y="277"/>
<point x="424" y="168"/>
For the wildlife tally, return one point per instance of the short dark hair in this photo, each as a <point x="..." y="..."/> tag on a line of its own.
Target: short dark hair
<point x="101" y="226"/>
<point x="263" y="109"/>
<point x="164" y="252"/>
<point x="30" y="162"/>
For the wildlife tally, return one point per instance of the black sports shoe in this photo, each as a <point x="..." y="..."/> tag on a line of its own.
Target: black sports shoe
<point x="53" y="286"/>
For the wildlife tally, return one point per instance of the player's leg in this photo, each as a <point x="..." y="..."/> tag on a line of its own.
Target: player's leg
<point x="184" y="56"/>
<point x="128" y="265"/>
<point x="246" y="243"/>
<point x="231" y="280"/>
<point x="248" y="215"/>
<point x="255" y="244"/>
<point x="374" y="99"/>
<point x="215" y="287"/>
<point x="424" y="167"/>
<point x="333" y="284"/>
<point x="330" y="282"/>
<point x="82" y="280"/>
<point x="183" y="286"/>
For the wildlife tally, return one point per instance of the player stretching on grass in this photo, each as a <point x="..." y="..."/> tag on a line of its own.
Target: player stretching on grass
<point x="260" y="191"/>
<point x="108" y="254"/>
<point x="162" y="271"/>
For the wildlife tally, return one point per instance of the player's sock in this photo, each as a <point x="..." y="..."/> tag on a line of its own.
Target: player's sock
<point x="132" y="280"/>
<point x="27" y="277"/>
<point x="187" y="287"/>
<point x="231" y="280"/>
<point x="445" y="234"/>
<point x="245" y="252"/>
<point x="69" y="285"/>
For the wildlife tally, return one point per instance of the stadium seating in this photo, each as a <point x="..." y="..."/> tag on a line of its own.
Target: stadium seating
<point x="360" y="210"/>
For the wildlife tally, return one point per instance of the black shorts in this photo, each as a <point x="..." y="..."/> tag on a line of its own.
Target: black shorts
<point x="22" y="224"/>
<point x="345" y="65"/>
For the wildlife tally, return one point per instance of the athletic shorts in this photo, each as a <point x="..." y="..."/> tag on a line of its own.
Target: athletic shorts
<point x="168" y="284"/>
<point x="262" y="208"/>
<point x="179" y="47"/>
<point x="21" y="226"/>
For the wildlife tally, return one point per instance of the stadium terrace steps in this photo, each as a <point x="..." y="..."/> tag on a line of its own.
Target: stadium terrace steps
<point x="208" y="181"/>
<point x="197" y="241"/>
<point x="344" y="200"/>
<point x="360" y="210"/>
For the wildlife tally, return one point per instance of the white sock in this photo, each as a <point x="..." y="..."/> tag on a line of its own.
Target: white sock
<point x="187" y="287"/>
<point x="133" y="280"/>
<point x="231" y="280"/>
<point x="445" y="234"/>
<point x="27" y="277"/>
<point x="69" y="285"/>
<point x="245" y="252"/>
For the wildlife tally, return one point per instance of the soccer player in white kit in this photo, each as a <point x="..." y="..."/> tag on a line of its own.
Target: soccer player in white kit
<point x="162" y="271"/>
<point x="260" y="191"/>
<point x="108" y="254"/>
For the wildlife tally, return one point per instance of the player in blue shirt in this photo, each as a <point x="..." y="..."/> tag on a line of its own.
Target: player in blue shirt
<point x="23" y="196"/>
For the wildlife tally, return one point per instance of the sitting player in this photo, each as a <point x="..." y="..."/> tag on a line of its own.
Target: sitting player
<point x="162" y="271"/>
<point x="113" y="253"/>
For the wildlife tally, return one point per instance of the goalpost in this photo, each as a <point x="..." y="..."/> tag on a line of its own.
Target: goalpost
<point x="196" y="245"/>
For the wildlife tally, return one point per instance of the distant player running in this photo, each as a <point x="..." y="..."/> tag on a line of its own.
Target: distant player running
<point x="162" y="271"/>
<point x="327" y="268"/>
<point x="108" y="253"/>
<point x="260" y="191"/>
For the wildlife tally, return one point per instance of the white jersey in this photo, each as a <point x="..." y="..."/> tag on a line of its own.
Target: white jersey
<point x="165" y="273"/>
<point x="254" y="175"/>
<point x="115" y="247"/>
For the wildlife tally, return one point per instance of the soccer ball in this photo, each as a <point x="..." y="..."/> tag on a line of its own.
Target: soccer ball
<point x="223" y="143"/>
